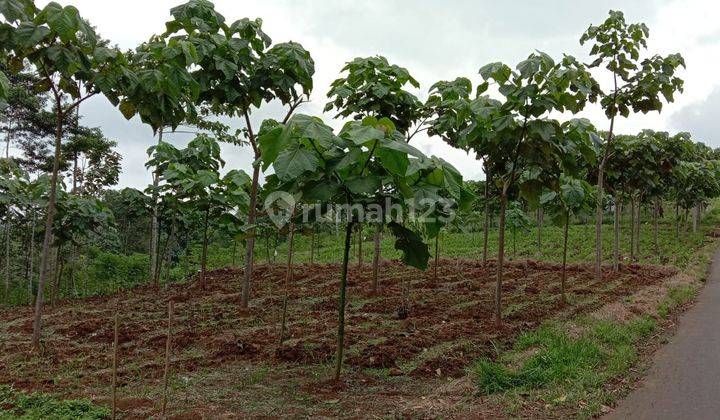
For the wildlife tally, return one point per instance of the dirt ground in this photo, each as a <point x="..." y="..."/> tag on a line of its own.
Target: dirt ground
<point x="228" y="362"/>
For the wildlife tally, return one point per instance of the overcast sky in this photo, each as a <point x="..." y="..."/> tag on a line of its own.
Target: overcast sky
<point x="435" y="40"/>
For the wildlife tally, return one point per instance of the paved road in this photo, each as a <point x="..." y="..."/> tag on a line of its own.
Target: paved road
<point x="684" y="380"/>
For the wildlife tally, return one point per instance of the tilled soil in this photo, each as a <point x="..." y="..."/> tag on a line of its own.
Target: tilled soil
<point x="407" y="346"/>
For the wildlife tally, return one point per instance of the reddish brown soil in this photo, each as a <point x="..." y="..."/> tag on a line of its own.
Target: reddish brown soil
<point x="224" y="357"/>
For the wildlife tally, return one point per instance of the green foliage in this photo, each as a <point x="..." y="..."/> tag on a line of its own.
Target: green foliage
<point x="233" y="64"/>
<point x="64" y="48"/>
<point x="16" y="404"/>
<point x="106" y="272"/>
<point x="618" y="46"/>
<point x="374" y="87"/>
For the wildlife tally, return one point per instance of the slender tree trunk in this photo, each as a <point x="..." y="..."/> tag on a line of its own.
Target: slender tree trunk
<point x="32" y="259"/>
<point x="360" y="244"/>
<point x="656" y="210"/>
<point x="564" y="261"/>
<point x="616" y="229"/>
<point x="539" y="229"/>
<point x="677" y="219"/>
<point x="115" y="361"/>
<point x="250" y="247"/>
<point x="203" y="259"/>
<point x="600" y="207"/>
<point x="500" y="259"/>
<point x="695" y="217"/>
<point x="437" y="254"/>
<point x="632" y="228"/>
<point x="288" y="278"/>
<point x="7" y="260"/>
<point x="486" y="223"/>
<point x="341" y="302"/>
<point x="234" y="253"/>
<point x="638" y="226"/>
<point x="376" y="258"/>
<point x="168" y="348"/>
<point x="58" y="276"/>
<point x="154" y="224"/>
<point x="312" y="246"/>
<point x="170" y="244"/>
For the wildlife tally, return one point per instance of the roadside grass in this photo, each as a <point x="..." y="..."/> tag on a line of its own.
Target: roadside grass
<point x="565" y="365"/>
<point x="558" y="368"/>
<point x="20" y="405"/>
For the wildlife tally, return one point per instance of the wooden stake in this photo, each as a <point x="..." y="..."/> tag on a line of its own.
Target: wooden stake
<point x="168" y="344"/>
<point x="115" y="360"/>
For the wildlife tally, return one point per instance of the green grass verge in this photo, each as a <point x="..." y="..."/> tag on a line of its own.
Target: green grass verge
<point x="559" y="369"/>
<point x="19" y="405"/>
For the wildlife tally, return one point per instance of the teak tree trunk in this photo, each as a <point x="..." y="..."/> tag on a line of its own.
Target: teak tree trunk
<point x="250" y="244"/>
<point x="360" y="244"/>
<point x="564" y="261"/>
<point x="500" y="260"/>
<point x="616" y="230"/>
<point x="486" y="222"/>
<point x="376" y="258"/>
<point x="288" y="279"/>
<point x="632" y="229"/>
<point x="50" y="218"/>
<point x="341" y="302"/>
<point x="437" y="254"/>
<point x="155" y="224"/>
<point x="203" y="259"/>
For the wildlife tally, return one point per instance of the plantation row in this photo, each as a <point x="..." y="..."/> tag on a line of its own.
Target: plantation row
<point x="204" y="70"/>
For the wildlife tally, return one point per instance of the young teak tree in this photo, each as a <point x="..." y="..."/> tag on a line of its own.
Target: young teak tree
<point x="238" y="70"/>
<point x="637" y="85"/>
<point x="515" y="135"/>
<point x="73" y="63"/>
<point x="362" y="168"/>
<point x="372" y="87"/>
<point x="192" y="177"/>
<point x="162" y="93"/>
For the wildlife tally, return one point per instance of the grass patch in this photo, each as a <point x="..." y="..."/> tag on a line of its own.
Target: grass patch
<point x="676" y="296"/>
<point x="19" y="405"/>
<point x="557" y="368"/>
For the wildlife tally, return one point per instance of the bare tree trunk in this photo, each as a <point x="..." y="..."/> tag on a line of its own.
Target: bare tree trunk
<point x="677" y="219"/>
<point x="154" y="225"/>
<point x="486" y="223"/>
<point x="539" y="229"/>
<point x="58" y="275"/>
<point x="168" y="347"/>
<point x="341" y="302"/>
<point x="360" y="244"/>
<point x="203" y="259"/>
<point x="312" y="246"/>
<point x="656" y="212"/>
<point x="250" y="247"/>
<point x="288" y="278"/>
<point x="632" y="228"/>
<point x="695" y="217"/>
<point x="234" y="253"/>
<point x="638" y="226"/>
<point x="32" y="260"/>
<point x="616" y="229"/>
<point x="7" y="260"/>
<point x="115" y="361"/>
<point x="600" y="207"/>
<point x="500" y="259"/>
<point x="564" y="262"/>
<point x="437" y="255"/>
<point x="376" y="258"/>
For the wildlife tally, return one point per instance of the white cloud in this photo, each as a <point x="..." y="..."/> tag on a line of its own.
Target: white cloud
<point x="434" y="40"/>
